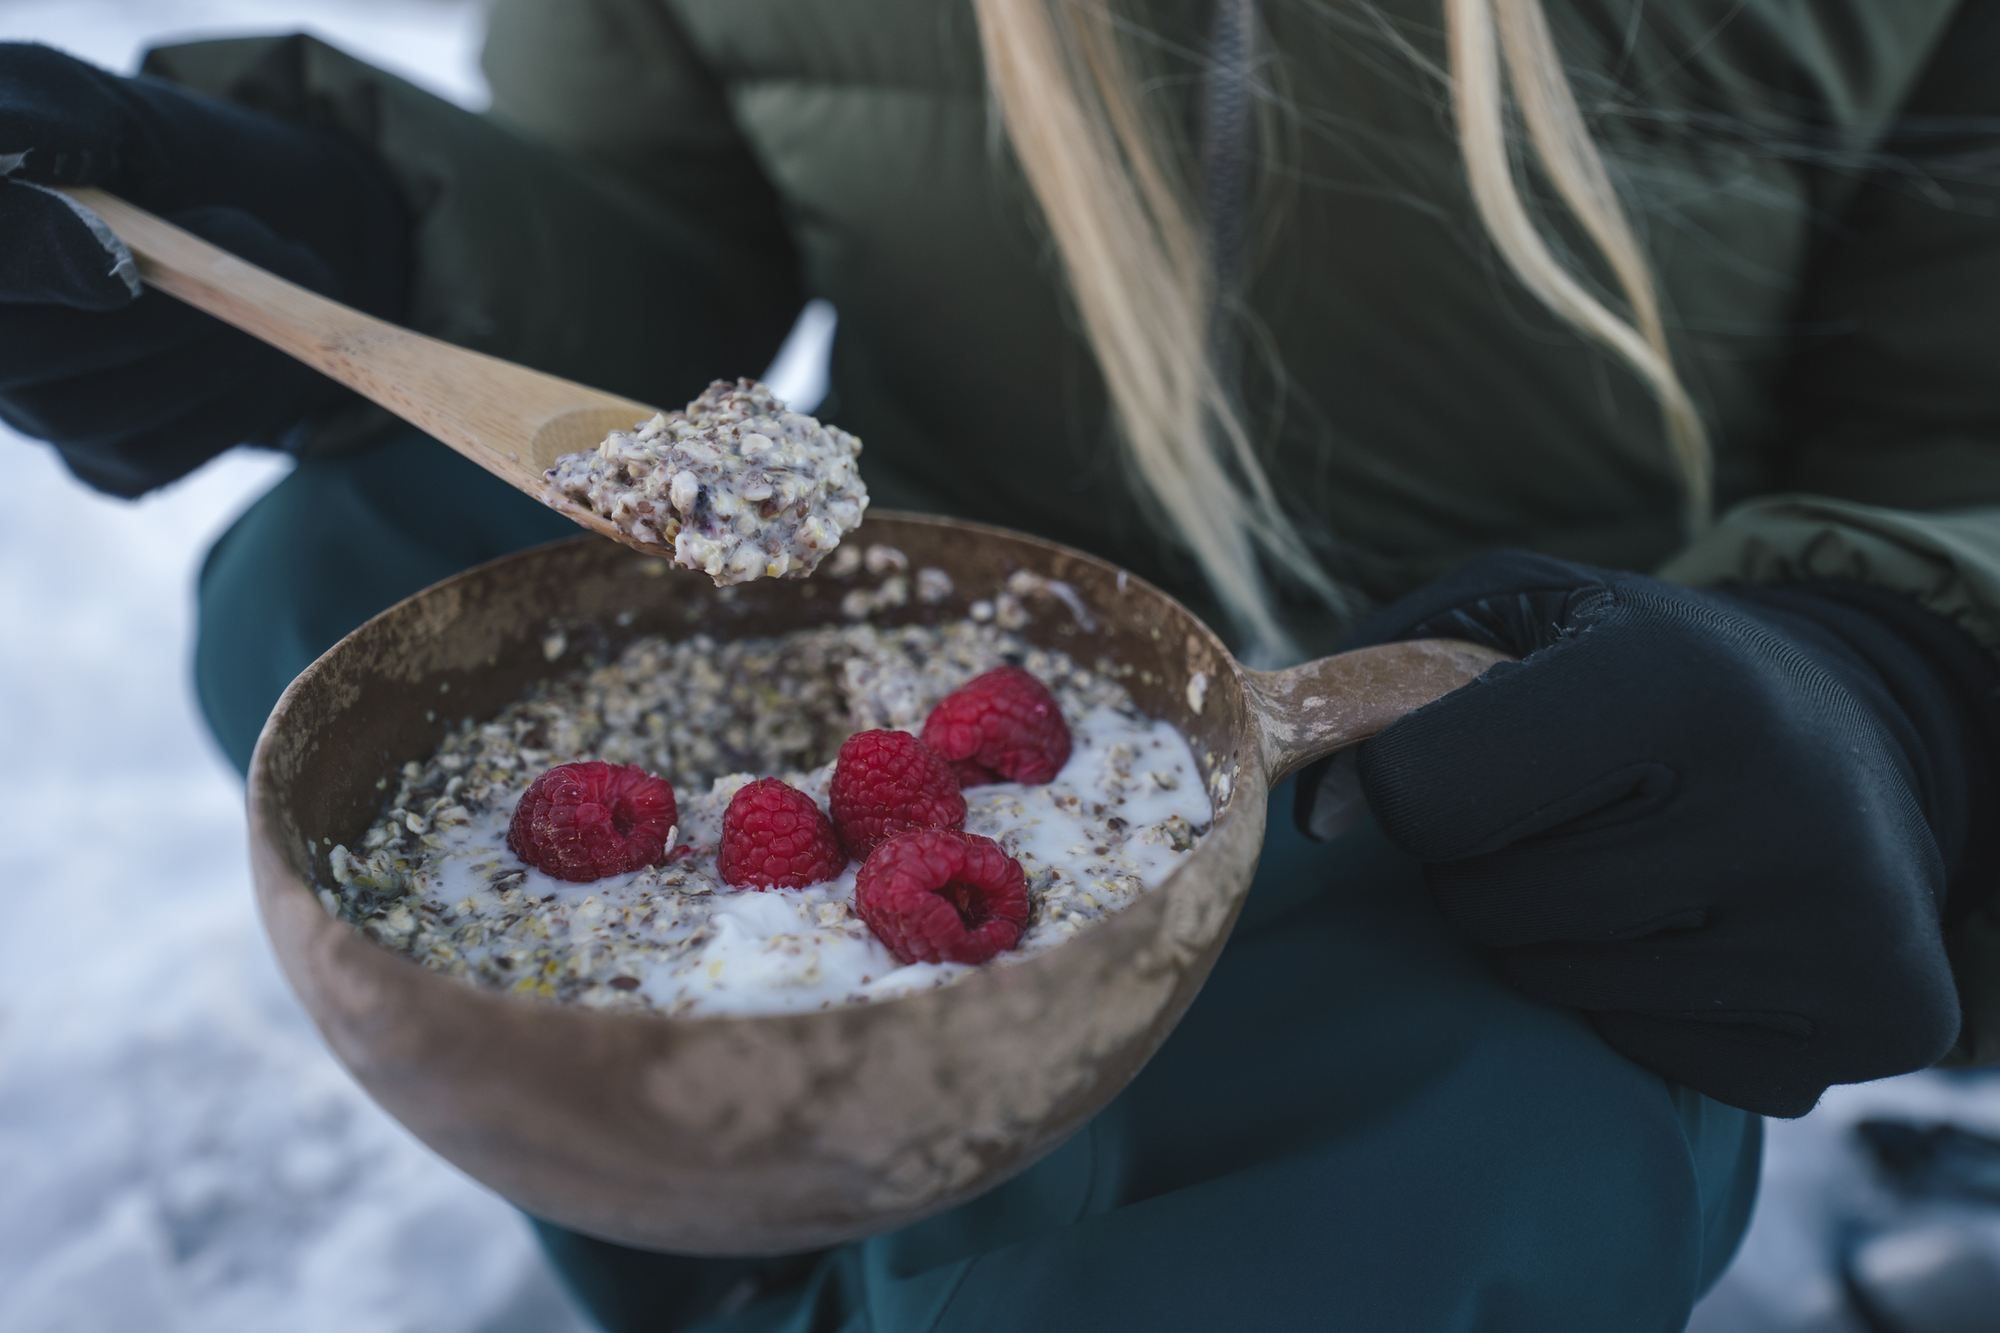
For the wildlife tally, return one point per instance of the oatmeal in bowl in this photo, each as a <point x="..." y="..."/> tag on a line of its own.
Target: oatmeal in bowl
<point x="718" y="898"/>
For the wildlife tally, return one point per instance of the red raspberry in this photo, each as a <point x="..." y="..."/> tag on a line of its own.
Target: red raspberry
<point x="889" y="782"/>
<point x="1003" y="726"/>
<point x="942" y="896"/>
<point x="773" y="836"/>
<point x="586" y="821"/>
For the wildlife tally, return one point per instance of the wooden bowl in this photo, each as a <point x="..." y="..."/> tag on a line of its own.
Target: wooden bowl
<point x="727" y="1135"/>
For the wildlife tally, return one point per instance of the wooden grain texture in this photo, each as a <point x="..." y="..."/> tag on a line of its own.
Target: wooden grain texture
<point x="1309" y="711"/>
<point x="511" y="420"/>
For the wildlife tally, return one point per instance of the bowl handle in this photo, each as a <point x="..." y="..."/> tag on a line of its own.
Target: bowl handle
<point x="1309" y="711"/>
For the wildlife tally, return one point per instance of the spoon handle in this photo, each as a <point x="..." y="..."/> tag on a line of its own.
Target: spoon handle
<point x="1309" y="711"/>
<point x="510" y="420"/>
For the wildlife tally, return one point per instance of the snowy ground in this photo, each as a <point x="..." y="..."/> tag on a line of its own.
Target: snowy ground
<point x="433" y="43"/>
<point x="177" y="1151"/>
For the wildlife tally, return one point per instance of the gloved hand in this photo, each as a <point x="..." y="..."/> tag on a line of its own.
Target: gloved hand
<point x="1727" y="825"/>
<point x="134" y="387"/>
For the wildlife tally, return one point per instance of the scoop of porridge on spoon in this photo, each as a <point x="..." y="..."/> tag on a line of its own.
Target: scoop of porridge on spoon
<point x="735" y="485"/>
<point x="738" y="484"/>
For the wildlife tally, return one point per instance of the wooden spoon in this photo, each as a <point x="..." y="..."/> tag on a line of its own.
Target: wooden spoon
<point x="512" y="421"/>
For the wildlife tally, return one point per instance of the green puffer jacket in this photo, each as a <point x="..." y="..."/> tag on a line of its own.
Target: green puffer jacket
<point x="661" y="183"/>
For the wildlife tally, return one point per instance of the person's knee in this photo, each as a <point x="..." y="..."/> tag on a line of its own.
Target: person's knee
<point x="1355" y="1077"/>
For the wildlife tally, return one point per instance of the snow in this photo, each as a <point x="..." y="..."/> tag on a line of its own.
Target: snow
<point x="432" y="43"/>
<point x="177" y="1149"/>
<point x="798" y="374"/>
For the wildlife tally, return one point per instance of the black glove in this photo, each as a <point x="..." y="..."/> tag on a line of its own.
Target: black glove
<point x="1730" y="826"/>
<point x="137" y="389"/>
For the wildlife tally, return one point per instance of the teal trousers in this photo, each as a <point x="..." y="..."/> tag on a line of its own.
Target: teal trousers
<point x="1357" y="1126"/>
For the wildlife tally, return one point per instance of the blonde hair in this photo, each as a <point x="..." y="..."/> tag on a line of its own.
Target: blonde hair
<point x="1135" y="254"/>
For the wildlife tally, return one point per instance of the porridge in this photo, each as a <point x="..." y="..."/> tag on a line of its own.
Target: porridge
<point x="737" y="484"/>
<point x="1110" y="813"/>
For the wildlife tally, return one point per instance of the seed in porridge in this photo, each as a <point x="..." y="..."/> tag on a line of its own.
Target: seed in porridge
<point x="933" y="586"/>
<point x="586" y="821"/>
<point x="1180" y="834"/>
<point x="774" y="836"/>
<point x="889" y="782"/>
<point x="942" y="896"/>
<point x="881" y="558"/>
<point x="740" y="486"/>
<point x="1003" y="726"/>
<point x="1008" y="612"/>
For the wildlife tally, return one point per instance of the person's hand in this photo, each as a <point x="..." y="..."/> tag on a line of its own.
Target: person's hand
<point x="1726" y="825"/>
<point x="134" y="387"/>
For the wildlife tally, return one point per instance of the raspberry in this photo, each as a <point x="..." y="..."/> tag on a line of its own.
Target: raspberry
<point x="1003" y="726"/>
<point x="586" y="821"/>
<point x="773" y="836"/>
<point x="889" y="782"/>
<point x="942" y="896"/>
